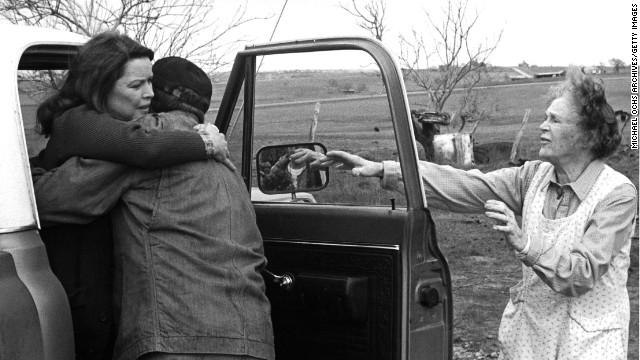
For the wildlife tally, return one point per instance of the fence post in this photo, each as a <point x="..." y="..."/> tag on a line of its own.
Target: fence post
<point x="516" y="143"/>
<point x="314" y="123"/>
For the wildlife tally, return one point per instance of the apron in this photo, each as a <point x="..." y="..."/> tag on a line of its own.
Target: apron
<point x="539" y="323"/>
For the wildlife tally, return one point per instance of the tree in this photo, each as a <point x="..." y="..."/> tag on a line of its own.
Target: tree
<point x="369" y="17"/>
<point x="460" y="63"/>
<point x="186" y="28"/>
<point x="617" y="64"/>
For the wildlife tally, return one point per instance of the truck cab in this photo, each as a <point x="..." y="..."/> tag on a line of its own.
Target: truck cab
<point x="354" y="271"/>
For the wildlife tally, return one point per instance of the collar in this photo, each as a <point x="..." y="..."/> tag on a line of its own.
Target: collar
<point x="585" y="181"/>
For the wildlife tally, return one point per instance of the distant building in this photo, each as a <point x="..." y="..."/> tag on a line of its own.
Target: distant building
<point x="529" y="74"/>
<point x="550" y="74"/>
<point x="523" y="75"/>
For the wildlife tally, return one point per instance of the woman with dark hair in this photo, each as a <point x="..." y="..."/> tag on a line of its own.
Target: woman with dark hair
<point x="98" y="124"/>
<point x="108" y="85"/>
<point x="578" y="217"/>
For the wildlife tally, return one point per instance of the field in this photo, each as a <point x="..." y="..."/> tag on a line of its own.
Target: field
<point x="483" y="268"/>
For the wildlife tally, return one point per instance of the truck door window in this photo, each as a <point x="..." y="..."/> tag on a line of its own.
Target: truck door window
<point x="336" y="98"/>
<point x="34" y="87"/>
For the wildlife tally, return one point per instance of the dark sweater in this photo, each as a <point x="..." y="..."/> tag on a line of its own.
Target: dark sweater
<point x="87" y="133"/>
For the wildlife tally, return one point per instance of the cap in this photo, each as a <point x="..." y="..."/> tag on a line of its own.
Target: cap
<point x="183" y="79"/>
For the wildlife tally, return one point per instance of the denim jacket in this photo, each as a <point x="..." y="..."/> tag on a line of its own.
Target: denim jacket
<point x="188" y="244"/>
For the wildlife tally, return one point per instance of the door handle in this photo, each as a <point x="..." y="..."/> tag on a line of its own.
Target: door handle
<point x="428" y="296"/>
<point x="285" y="281"/>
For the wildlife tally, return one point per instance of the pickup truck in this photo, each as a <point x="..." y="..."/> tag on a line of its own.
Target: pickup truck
<point x="354" y="271"/>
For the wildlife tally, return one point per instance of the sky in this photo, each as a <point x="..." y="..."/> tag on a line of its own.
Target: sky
<point x="542" y="32"/>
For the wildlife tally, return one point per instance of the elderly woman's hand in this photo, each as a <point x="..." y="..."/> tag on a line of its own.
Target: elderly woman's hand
<point x="281" y="164"/>
<point x="218" y="143"/>
<point x="357" y="165"/>
<point x="506" y="223"/>
<point x="304" y="156"/>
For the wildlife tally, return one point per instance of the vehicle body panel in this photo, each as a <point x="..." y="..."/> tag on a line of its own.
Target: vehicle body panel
<point x="19" y="208"/>
<point x="29" y="48"/>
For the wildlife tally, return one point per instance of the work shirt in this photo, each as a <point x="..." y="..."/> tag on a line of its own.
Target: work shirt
<point x="189" y="246"/>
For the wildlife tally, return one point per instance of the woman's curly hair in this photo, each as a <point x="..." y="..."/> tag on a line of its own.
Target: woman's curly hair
<point x="597" y="118"/>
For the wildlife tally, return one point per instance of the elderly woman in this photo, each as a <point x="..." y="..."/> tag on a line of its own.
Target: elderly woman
<point x="577" y="221"/>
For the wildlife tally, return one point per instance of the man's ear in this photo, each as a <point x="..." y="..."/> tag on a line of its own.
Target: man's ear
<point x="96" y="104"/>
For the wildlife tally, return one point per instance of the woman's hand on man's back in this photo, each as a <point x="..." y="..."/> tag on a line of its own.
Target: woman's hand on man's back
<point x="216" y="144"/>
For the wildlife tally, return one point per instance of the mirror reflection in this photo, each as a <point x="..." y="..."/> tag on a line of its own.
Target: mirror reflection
<point x="286" y="168"/>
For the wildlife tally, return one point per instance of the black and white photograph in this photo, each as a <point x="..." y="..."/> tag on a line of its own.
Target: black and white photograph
<point x="319" y="180"/>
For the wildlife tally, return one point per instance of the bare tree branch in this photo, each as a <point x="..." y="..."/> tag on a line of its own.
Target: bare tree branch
<point x="187" y="28"/>
<point x="461" y="64"/>
<point x="370" y="17"/>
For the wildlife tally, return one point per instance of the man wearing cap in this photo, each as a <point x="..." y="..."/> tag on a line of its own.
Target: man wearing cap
<point x="187" y="240"/>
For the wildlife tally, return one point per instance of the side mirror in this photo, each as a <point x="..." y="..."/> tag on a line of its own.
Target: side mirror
<point x="278" y="174"/>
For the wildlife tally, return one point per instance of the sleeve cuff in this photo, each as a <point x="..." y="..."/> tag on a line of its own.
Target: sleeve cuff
<point x="525" y="250"/>
<point x="531" y="252"/>
<point x="208" y="145"/>
<point x="391" y="175"/>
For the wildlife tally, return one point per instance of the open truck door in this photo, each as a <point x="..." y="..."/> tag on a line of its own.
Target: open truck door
<point x="356" y="273"/>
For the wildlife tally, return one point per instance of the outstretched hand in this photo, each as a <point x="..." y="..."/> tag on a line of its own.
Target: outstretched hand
<point x="302" y="156"/>
<point x="220" y="150"/>
<point x="354" y="163"/>
<point x="506" y="223"/>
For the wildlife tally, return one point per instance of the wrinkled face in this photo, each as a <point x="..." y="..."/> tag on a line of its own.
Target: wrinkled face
<point x="131" y="95"/>
<point x="561" y="139"/>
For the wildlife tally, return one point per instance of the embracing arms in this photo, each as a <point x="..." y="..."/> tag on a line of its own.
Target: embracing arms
<point x="87" y="133"/>
<point x="80" y="190"/>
